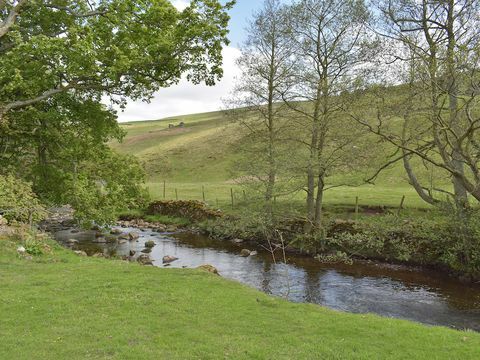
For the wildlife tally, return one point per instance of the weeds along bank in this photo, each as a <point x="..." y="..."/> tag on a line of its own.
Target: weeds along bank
<point x="446" y="242"/>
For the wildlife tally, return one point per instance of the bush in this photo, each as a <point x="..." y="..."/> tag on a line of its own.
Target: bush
<point x="18" y="202"/>
<point x="189" y="209"/>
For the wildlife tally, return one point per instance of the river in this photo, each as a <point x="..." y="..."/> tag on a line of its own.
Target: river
<point x="392" y="291"/>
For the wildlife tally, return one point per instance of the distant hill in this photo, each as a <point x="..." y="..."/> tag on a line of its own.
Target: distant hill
<point x="202" y="151"/>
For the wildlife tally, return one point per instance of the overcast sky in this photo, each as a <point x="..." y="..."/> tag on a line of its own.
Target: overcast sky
<point x="186" y="98"/>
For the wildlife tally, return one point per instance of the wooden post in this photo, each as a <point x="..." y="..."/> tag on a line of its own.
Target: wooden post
<point x="216" y="201"/>
<point x="244" y="196"/>
<point x="164" y="189"/>
<point x="401" y="204"/>
<point x="203" y="193"/>
<point x="176" y="194"/>
<point x="356" y="208"/>
<point x="231" y="195"/>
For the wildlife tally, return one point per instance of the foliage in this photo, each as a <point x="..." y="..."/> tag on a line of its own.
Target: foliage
<point x="118" y="48"/>
<point x="104" y="186"/>
<point x="18" y="201"/>
<point x="444" y="240"/>
<point x="54" y="128"/>
<point x="334" y="258"/>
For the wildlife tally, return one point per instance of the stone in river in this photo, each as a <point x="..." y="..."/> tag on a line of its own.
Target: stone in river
<point x="245" y="253"/>
<point x="150" y="244"/>
<point x="133" y="236"/>
<point x="169" y="259"/>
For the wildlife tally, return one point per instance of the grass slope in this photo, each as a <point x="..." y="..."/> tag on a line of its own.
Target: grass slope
<point x="61" y="306"/>
<point x="203" y="154"/>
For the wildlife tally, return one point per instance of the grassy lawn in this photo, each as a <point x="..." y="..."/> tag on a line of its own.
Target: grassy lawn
<point x="369" y="195"/>
<point x="61" y="306"/>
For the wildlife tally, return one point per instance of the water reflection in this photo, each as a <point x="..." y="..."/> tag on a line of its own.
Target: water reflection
<point x="362" y="288"/>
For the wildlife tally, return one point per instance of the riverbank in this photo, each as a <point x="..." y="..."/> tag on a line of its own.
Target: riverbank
<point x="60" y="305"/>
<point x="431" y="240"/>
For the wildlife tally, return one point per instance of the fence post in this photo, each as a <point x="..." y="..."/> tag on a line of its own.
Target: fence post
<point x="244" y="196"/>
<point x="203" y="192"/>
<point x="164" y="189"/>
<point x="176" y="194"/>
<point x="356" y="208"/>
<point x="401" y="204"/>
<point x="231" y="195"/>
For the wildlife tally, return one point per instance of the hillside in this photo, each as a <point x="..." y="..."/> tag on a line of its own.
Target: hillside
<point x="203" y="153"/>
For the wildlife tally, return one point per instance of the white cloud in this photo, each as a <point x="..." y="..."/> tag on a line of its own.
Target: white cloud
<point x="186" y="98"/>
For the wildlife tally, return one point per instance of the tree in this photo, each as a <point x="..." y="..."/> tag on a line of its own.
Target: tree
<point x="437" y="44"/>
<point x="119" y="48"/>
<point x="329" y="40"/>
<point x="266" y="64"/>
<point x="59" y="60"/>
<point x="61" y="147"/>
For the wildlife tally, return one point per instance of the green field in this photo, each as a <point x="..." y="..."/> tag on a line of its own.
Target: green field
<point x="61" y="306"/>
<point x="203" y="153"/>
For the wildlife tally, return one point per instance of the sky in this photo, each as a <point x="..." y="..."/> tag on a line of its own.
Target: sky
<point x="186" y="98"/>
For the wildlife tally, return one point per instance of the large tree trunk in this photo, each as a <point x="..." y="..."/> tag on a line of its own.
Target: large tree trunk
<point x="416" y="184"/>
<point x="271" y="172"/>
<point x="461" y="198"/>
<point x="319" y="201"/>
<point x="313" y="159"/>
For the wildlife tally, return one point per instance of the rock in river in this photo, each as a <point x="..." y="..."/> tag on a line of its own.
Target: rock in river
<point x="168" y="259"/>
<point x="133" y="236"/>
<point x="149" y="244"/>
<point x="245" y="253"/>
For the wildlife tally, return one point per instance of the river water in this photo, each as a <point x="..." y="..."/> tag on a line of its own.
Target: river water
<point x="392" y="291"/>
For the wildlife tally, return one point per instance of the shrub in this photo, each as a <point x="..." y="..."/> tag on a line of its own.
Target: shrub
<point x="18" y="202"/>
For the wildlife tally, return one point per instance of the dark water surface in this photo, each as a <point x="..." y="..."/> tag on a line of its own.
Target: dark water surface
<point x="391" y="291"/>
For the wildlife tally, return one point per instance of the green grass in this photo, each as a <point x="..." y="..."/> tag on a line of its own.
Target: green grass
<point x="61" y="306"/>
<point x="204" y="153"/>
